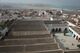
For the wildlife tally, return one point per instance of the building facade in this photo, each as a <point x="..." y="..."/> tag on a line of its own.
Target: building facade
<point x="56" y="26"/>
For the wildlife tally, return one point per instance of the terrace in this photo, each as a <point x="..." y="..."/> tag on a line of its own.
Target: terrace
<point x="67" y="42"/>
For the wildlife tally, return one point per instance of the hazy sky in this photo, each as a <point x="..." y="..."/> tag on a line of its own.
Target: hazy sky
<point x="30" y="1"/>
<point x="52" y="2"/>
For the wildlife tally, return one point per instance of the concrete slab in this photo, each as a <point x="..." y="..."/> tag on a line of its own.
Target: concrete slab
<point x="28" y="36"/>
<point x="41" y="47"/>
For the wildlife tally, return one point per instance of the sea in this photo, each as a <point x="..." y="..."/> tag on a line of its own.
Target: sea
<point x="69" y="7"/>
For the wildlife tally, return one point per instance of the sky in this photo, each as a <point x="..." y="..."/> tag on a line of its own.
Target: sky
<point x="65" y="2"/>
<point x="28" y="1"/>
<point x="51" y="2"/>
<point x="42" y="1"/>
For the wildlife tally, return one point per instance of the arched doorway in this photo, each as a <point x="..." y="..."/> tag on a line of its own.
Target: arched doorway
<point x="65" y="30"/>
<point x="56" y="30"/>
<point x="53" y="30"/>
<point x="59" y="29"/>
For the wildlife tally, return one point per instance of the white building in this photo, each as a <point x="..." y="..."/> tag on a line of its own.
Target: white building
<point x="75" y="32"/>
<point x="57" y="25"/>
<point x="43" y="13"/>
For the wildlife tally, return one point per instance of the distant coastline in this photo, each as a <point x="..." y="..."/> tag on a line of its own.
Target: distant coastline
<point x="37" y="6"/>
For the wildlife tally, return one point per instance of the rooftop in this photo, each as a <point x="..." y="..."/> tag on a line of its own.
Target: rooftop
<point x="56" y="22"/>
<point x="27" y="42"/>
<point x="76" y="29"/>
<point x="29" y="26"/>
<point x="67" y="42"/>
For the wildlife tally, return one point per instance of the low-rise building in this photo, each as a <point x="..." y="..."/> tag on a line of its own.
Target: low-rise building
<point x="56" y="26"/>
<point x="75" y="32"/>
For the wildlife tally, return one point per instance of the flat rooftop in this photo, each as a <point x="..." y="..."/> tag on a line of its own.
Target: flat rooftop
<point x="55" y="22"/>
<point x="76" y="29"/>
<point x="29" y="26"/>
<point x="22" y="39"/>
<point x="66" y="42"/>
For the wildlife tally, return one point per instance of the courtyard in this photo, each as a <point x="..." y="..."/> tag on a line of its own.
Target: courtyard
<point x="66" y="42"/>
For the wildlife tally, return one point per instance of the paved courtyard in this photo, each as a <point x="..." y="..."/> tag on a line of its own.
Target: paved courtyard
<point x="67" y="41"/>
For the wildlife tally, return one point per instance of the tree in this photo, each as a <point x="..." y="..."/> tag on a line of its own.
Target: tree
<point x="65" y="31"/>
<point x="0" y="34"/>
<point x="78" y="45"/>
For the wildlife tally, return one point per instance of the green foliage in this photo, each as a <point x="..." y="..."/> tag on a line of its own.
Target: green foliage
<point x="2" y="25"/>
<point x="6" y="23"/>
<point x="0" y="33"/>
<point x="65" y="31"/>
<point x="78" y="45"/>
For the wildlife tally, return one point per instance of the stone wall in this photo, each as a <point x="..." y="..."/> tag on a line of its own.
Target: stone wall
<point x="72" y="51"/>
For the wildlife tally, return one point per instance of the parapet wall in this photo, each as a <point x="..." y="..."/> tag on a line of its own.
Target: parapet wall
<point x="72" y="51"/>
